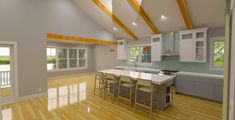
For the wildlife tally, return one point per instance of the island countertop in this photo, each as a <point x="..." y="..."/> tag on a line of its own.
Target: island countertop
<point x="156" y="79"/>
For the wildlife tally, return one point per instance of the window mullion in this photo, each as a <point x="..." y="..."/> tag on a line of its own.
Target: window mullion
<point x="68" y="58"/>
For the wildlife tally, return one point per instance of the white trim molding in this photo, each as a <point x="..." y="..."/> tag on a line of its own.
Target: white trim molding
<point x="32" y="96"/>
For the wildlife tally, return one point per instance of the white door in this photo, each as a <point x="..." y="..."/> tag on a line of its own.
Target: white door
<point x="7" y="73"/>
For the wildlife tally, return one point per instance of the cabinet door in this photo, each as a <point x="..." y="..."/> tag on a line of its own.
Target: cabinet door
<point x="218" y="92"/>
<point x="183" y="84"/>
<point x="187" y="50"/>
<point x="156" y="48"/>
<point x="203" y="89"/>
<point x="121" y="50"/>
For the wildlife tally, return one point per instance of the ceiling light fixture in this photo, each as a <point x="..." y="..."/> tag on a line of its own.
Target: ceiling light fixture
<point x="134" y="23"/>
<point x="163" y="17"/>
<point x="114" y="28"/>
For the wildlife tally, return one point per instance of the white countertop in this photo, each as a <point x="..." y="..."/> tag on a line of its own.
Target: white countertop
<point x="201" y="75"/>
<point x="138" y="68"/>
<point x="156" y="79"/>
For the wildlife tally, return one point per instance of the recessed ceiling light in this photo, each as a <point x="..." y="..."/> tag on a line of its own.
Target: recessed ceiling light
<point x="163" y="17"/>
<point x="114" y="28"/>
<point x="134" y="23"/>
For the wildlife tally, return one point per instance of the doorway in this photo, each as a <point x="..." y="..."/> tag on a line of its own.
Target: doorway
<point x="8" y="76"/>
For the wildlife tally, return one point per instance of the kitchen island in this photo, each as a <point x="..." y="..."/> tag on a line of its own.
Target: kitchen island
<point x="162" y="96"/>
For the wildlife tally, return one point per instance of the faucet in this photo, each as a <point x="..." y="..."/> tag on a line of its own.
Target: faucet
<point x="135" y="65"/>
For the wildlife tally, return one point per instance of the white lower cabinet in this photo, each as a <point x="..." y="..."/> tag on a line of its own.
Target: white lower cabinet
<point x="199" y="86"/>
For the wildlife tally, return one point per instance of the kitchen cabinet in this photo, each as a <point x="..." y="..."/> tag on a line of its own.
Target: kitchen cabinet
<point x="156" y="46"/>
<point x="193" y="45"/>
<point x="200" y="85"/>
<point x="122" y="49"/>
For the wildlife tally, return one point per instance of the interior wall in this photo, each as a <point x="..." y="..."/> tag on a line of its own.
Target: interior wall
<point x="27" y="21"/>
<point x="90" y="60"/>
<point x="105" y="57"/>
<point x="173" y="63"/>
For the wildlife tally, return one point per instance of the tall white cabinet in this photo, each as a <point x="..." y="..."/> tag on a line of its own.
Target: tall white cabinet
<point x="122" y="49"/>
<point x="156" y="44"/>
<point x="193" y="45"/>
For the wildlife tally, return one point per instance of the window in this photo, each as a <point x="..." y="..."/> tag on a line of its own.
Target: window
<point x="140" y="54"/>
<point x="145" y="54"/>
<point x="133" y="55"/>
<point x="217" y="52"/>
<point x="62" y="58"/>
<point x="73" y="55"/>
<point x="51" y="58"/>
<point x="82" y="58"/>
<point x="66" y="58"/>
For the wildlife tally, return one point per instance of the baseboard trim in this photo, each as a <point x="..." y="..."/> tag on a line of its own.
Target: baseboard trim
<point x="23" y="98"/>
<point x="31" y="96"/>
<point x="69" y="76"/>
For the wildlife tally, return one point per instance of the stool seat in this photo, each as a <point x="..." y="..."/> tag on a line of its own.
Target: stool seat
<point x="145" y="86"/>
<point x="127" y="84"/>
<point x="99" y="77"/>
<point x="145" y="89"/>
<point x="111" y="81"/>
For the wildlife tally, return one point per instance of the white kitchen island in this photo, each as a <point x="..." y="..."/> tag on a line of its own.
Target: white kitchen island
<point x="162" y="96"/>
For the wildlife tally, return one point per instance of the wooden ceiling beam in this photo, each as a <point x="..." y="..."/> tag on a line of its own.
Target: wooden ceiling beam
<point x="139" y="10"/>
<point x="66" y="38"/>
<point x="185" y="13"/>
<point x="114" y="18"/>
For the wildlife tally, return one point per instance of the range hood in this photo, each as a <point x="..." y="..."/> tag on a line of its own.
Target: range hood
<point x="170" y="47"/>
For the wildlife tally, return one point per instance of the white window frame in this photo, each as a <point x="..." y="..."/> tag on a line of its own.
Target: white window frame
<point x="212" y="40"/>
<point x="85" y="57"/>
<point x="138" y="62"/>
<point x="68" y="65"/>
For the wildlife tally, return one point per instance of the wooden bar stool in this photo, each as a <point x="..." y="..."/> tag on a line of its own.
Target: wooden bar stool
<point x="147" y="87"/>
<point x="99" y="77"/>
<point x="128" y="83"/>
<point x="111" y="83"/>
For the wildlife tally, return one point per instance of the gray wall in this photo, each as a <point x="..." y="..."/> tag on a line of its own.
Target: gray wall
<point x="27" y="21"/>
<point x="90" y="60"/>
<point x="104" y="58"/>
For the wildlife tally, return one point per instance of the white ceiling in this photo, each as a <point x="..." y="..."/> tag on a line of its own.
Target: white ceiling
<point x="203" y="13"/>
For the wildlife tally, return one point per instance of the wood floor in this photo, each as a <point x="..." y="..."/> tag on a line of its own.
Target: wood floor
<point x="72" y="99"/>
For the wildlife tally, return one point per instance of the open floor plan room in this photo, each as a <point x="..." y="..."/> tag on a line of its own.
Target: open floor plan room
<point x="72" y="98"/>
<point x="117" y="60"/>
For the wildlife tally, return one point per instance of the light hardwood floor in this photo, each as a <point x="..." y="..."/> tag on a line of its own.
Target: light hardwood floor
<point x="72" y="99"/>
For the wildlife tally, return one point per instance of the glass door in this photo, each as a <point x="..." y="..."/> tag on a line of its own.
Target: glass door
<point x="6" y="73"/>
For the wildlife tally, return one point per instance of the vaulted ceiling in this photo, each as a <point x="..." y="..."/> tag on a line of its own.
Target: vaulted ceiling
<point x="133" y="19"/>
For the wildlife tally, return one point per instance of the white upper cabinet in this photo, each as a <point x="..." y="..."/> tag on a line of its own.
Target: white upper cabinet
<point x="122" y="50"/>
<point x="156" y="43"/>
<point x="193" y="45"/>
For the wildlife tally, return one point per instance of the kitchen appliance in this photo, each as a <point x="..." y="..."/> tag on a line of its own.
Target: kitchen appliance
<point x="170" y="47"/>
<point x="168" y="72"/>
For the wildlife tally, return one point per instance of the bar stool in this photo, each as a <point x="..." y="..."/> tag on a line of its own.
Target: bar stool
<point x="145" y="86"/>
<point x="128" y="83"/>
<point x="111" y="83"/>
<point x="99" y="77"/>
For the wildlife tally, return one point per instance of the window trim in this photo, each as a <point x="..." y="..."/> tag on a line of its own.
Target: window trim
<point x="68" y="68"/>
<point x="212" y="40"/>
<point x="138" y="62"/>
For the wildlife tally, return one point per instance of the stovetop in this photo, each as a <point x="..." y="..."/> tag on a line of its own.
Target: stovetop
<point x="168" y="72"/>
